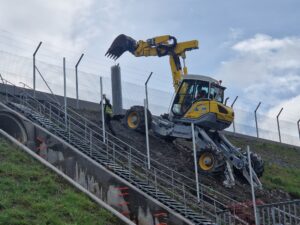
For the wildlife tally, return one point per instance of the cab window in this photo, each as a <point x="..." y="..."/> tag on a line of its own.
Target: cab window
<point x="216" y="93"/>
<point x="190" y="91"/>
<point x="202" y="88"/>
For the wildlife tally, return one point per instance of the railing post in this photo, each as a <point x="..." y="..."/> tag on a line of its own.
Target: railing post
<point x="6" y="91"/>
<point x="195" y="162"/>
<point x="147" y="132"/>
<point x="102" y="110"/>
<point x="155" y="181"/>
<point x="91" y="142"/>
<point x="233" y="123"/>
<point x="252" y="186"/>
<point x="34" y="66"/>
<point x="65" y="89"/>
<point x="273" y="215"/>
<point x="85" y="129"/>
<point x="69" y="130"/>
<point x="255" y="115"/>
<point x="146" y="89"/>
<point x="114" y="152"/>
<point x="184" y="199"/>
<point x="50" y="112"/>
<point x="172" y="177"/>
<point x="129" y="163"/>
<point x="278" y="126"/>
<point x="106" y="146"/>
<point x="76" y="74"/>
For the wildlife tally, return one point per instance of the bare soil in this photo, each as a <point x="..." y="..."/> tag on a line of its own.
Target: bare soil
<point x="178" y="156"/>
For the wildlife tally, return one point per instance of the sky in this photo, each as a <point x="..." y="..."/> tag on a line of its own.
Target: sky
<point x="252" y="46"/>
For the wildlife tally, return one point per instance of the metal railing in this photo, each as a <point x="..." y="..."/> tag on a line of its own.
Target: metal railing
<point x="279" y="213"/>
<point x="82" y="132"/>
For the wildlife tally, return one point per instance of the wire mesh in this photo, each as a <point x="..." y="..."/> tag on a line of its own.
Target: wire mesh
<point x="19" y="69"/>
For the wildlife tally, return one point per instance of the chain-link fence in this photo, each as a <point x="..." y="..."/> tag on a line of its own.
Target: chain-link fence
<point x="20" y="69"/>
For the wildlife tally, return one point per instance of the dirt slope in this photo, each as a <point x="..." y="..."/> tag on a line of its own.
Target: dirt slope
<point x="178" y="156"/>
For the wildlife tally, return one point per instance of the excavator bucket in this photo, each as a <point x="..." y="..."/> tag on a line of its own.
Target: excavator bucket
<point x="121" y="44"/>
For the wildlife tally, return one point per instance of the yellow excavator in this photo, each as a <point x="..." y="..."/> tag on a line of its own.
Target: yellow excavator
<point x="198" y="99"/>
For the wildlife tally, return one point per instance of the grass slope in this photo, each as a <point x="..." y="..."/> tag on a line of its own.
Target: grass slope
<point x="32" y="194"/>
<point x="282" y="164"/>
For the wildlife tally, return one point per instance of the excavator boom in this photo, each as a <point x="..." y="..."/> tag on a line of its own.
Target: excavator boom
<point x="165" y="45"/>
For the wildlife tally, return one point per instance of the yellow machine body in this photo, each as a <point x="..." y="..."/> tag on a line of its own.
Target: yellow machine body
<point x="185" y="106"/>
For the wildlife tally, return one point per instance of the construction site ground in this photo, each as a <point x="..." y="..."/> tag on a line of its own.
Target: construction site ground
<point x="281" y="179"/>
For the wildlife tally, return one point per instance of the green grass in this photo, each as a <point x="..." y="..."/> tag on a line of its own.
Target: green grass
<point x="32" y="194"/>
<point x="282" y="164"/>
<point x="283" y="178"/>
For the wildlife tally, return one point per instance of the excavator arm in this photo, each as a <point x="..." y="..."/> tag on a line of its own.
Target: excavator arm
<point x="157" y="46"/>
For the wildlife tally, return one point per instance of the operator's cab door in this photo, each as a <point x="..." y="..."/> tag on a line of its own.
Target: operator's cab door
<point x="189" y="92"/>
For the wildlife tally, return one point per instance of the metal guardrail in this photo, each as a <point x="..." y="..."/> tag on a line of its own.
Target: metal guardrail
<point x="89" y="135"/>
<point x="279" y="213"/>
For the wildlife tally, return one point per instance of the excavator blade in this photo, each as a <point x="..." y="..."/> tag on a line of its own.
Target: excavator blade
<point x="121" y="44"/>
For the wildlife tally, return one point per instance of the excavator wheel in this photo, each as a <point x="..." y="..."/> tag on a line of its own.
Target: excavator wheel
<point x="208" y="162"/>
<point x="135" y="118"/>
<point x="257" y="164"/>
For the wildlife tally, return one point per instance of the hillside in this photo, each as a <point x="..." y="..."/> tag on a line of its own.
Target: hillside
<point x="32" y="194"/>
<point x="281" y="180"/>
<point x="282" y="163"/>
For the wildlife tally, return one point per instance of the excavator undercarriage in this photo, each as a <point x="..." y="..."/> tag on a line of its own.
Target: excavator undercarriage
<point x="215" y="153"/>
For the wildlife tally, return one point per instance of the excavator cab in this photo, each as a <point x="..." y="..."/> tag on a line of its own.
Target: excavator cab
<point x="199" y="99"/>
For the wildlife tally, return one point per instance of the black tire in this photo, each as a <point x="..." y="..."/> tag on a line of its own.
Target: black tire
<point x="135" y="118"/>
<point x="257" y="164"/>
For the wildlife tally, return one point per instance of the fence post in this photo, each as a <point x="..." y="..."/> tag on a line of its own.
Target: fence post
<point x="233" y="123"/>
<point x="76" y="74"/>
<point x="278" y="126"/>
<point x="34" y="77"/>
<point x="257" y="134"/>
<point x="195" y="162"/>
<point x="147" y="132"/>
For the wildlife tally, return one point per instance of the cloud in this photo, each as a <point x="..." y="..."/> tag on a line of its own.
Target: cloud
<point x="264" y="69"/>
<point x="64" y="24"/>
<point x="287" y="113"/>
